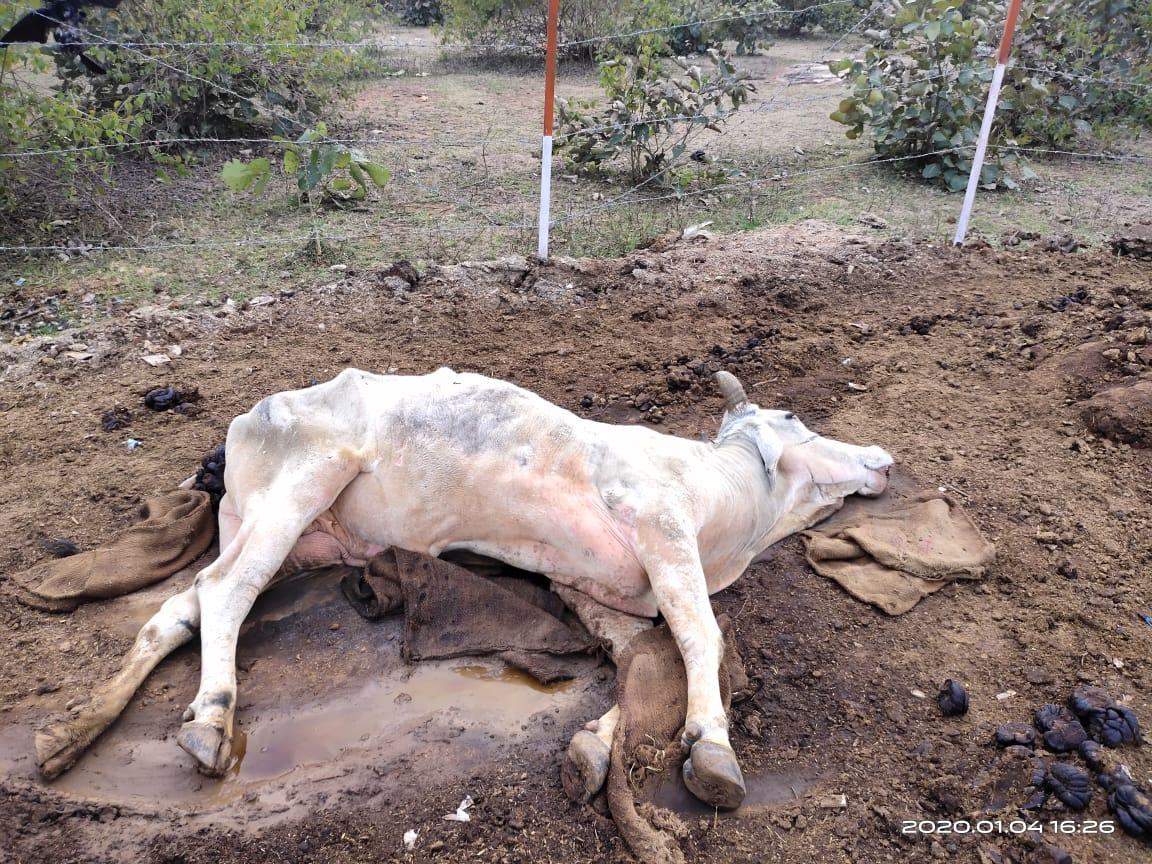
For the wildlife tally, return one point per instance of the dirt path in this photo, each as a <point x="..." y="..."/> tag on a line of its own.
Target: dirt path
<point x="964" y="357"/>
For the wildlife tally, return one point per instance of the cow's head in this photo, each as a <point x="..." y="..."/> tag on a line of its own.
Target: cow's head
<point x="829" y="470"/>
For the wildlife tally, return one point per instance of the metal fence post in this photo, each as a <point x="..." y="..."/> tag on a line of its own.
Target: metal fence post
<point x="546" y="141"/>
<point x="986" y="125"/>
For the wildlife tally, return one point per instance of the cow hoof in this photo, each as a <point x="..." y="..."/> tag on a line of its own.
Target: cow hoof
<point x="207" y="744"/>
<point x="58" y="747"/>
<point x="713" y="775"/>
<point x="585" y="766"/>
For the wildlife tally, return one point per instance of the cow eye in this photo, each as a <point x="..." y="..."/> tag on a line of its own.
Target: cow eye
<point x="789" y="416"/>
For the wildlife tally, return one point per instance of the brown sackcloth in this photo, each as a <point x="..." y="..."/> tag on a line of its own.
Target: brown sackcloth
<point x="895" y="550"/>
<point x="450" y="611"/>
<point x="652" y="692"/>
<point x="175" y="529"/>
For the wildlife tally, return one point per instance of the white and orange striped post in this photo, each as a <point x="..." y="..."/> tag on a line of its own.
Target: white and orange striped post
<point x="986" y="125"/>
<point x="546" y="141"/>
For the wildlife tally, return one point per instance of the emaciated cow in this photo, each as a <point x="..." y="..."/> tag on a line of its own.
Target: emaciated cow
<point x="640" y="521"/>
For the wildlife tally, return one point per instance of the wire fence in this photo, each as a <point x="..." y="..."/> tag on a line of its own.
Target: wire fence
<point x="501" y="201"/>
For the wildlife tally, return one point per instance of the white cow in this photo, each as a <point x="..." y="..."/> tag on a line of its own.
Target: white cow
<point x="642" y="522"/>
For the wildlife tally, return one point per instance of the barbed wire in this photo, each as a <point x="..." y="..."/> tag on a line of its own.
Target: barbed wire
<point x="782" y="175"/>
<point x="1137" y="85"/>
<point x="1082" y="154"/>
<point x="172" y="142"/>
<point x="81" y="248"/>
<point x="737" y="184"/>
<point x="365" y="44"/>
<point x="785" y="174"/>
<point x="361" y="44"/>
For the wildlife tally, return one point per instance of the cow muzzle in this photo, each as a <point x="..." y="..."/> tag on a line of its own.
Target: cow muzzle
<point x="877" y="464"/>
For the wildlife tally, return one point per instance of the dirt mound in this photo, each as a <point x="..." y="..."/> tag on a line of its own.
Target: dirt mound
<point x="345" y="754"/>
<point x="1122" y="413"/>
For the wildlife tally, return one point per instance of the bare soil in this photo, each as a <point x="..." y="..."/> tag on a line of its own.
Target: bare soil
<point x="970" y="366"/>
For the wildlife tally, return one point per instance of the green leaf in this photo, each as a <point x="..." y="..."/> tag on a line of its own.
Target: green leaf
<point x="312" y="174"/>
<point x="261" y="172"/>
<point x="931" y="171"/>
<point x="291" y="162"/>
<point x="956" y="180"/>
<point x="237" y="175"/>
<point x="379" y="174"/>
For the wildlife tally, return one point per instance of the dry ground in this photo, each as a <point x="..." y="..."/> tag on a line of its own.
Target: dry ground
<point x="974" y="369"/>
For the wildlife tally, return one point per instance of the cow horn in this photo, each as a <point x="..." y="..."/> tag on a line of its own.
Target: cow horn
<point x="733" y="391"/>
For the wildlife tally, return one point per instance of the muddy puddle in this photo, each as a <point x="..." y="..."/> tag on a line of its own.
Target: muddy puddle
<point x="328" y="697"/>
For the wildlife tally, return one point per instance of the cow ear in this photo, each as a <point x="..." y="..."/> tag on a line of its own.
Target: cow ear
<point x="769" y="445"/>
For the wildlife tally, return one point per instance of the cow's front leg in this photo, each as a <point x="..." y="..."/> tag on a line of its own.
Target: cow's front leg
<point x="667" y="548"/>
<point x="226" y="594"/>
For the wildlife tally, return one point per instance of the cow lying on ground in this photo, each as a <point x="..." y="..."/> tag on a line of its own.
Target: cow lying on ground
<point x="641" y="522"/>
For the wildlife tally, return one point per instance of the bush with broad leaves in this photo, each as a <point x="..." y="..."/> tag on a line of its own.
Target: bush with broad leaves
<point x="650" y="114"/>
<point x="920" y="88"/>
<point x="323" y="170"/>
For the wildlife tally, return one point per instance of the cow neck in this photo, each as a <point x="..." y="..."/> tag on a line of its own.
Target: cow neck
<point x="741" y="504"/>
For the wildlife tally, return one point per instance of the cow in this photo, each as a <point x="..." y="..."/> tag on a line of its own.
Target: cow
<point x="642" y="522"/>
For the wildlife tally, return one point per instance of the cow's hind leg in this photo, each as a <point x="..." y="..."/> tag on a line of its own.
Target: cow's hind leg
<point x="273" y="521"/>
<point x="586" y="762"/>
<point x="59" y="745"/>
<point x="585" y="766"/>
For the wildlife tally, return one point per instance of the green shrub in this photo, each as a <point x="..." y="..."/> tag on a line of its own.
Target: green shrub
<point x="33" y="117"/>
<point x="421" y="13"/>
<point x="1094" y="39"/>
<point x="323" y="170"/>
<point x="520" y="26"/>
<point x="923" y="81"/>
<point x="649" y="115"/>
<point x="747" y="23"/>
<point x="810" y="14"/>
<point x="210" y="89"/>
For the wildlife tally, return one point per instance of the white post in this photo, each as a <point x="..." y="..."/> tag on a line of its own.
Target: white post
<point x="546" y="142"/>
<point x="978" y="159"/>
<point x="545" y="197"/>
<point x="986" y="124"/>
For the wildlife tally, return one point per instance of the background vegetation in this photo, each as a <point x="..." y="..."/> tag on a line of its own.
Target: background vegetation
<point x="1079" y="70"/>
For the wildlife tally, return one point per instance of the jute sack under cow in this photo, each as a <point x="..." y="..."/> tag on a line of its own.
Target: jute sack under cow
<point x="174" y="529"/>
<point x="451" y="611"/>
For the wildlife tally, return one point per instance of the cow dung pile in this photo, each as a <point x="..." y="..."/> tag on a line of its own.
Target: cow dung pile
<point x="1091" y="722"/>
